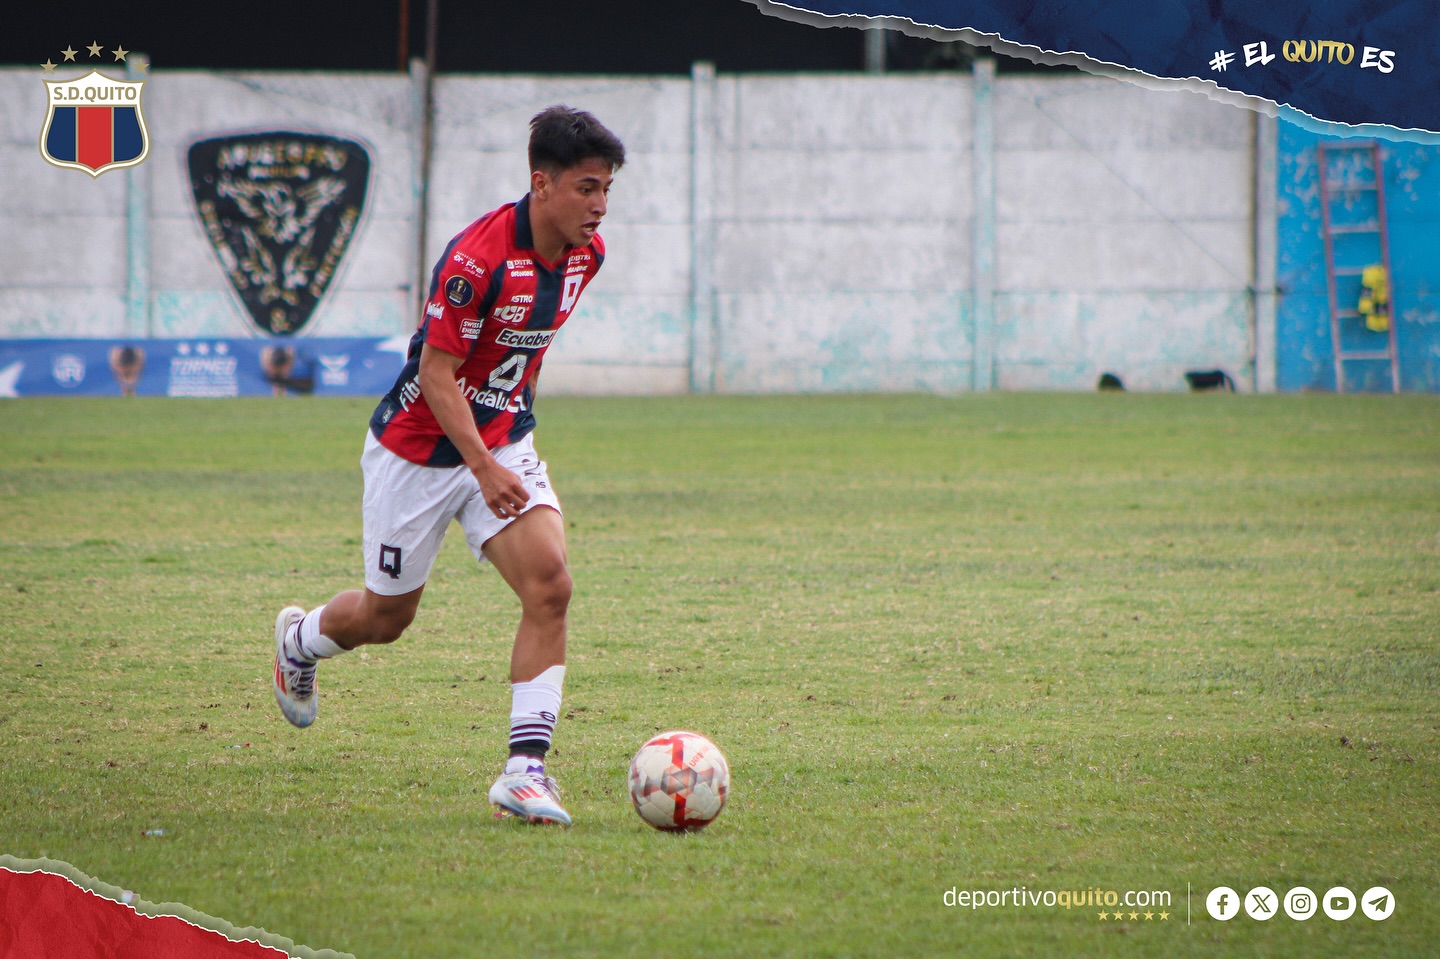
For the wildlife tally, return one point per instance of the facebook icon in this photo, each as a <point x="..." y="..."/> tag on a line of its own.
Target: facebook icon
<point x="1222" y="903"/>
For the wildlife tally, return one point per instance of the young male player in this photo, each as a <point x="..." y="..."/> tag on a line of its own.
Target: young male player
<point x="452" y="440"/>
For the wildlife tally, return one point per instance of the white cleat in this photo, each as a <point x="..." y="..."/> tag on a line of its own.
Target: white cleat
<point x="532" y="796"/>
<point x="295" y="687"/>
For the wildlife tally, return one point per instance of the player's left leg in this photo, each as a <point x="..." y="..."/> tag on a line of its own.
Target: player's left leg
<point x="352" y="618"/>
<point x="405" y="511"/>
<point x="529" y="554"/>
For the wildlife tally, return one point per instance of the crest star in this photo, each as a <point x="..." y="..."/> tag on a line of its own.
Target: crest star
<point x="49" y="67"/>
<point x="94" y="48"/>
<point x="69" y="53"/>
<point x="120" y="53"/>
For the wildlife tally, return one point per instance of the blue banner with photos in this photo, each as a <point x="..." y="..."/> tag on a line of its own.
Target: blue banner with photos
<point x="1346" y="61"/>
<point x="200" y="367"/>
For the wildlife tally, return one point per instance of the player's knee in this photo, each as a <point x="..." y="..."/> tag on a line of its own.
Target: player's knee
<point x="388" y="627"/>
<point x="549" y="592"/>
<point x="387" y="620"/>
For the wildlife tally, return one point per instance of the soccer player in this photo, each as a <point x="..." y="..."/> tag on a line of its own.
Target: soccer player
<point x="453" y="440"/>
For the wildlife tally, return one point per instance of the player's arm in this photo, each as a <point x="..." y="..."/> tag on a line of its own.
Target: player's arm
<point x="503" y="491"/>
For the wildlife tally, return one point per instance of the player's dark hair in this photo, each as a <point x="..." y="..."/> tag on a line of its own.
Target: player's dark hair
<point x="562" y="137"/>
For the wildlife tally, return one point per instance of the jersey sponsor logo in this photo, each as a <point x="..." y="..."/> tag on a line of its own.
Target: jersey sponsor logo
<point x="470" y="329"/>
<point x="522" y="274"/>
<point x="435" y="310"/>
<point x="495" y="399"/>
<point x="526" y="339"/>
<point x="522" y="298"/>
<point x="511" y="314"/>
<point x="571" y="292"/>
<point x="459" y="291"/>
<point x="409" y="393"/>
<point x="519" y="264"/>
<point x="469" y="265"/>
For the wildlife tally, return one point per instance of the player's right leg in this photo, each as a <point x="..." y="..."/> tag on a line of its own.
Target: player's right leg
<point x="530" y="554"/>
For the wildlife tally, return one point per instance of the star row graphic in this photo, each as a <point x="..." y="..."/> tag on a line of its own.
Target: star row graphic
<point x="69" y="53"/>
<point x="1120" y="916"/>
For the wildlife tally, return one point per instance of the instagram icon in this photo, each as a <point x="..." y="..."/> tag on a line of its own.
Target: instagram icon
<point x="1301" y="903"/>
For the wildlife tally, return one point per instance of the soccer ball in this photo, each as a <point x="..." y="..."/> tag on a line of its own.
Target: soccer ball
<point x="679" y="780"/>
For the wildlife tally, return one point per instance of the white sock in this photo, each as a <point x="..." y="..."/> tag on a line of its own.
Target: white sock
<point x="306" y="644"/>
<point x="534" y="710"/>
<point x="524" y="764"/>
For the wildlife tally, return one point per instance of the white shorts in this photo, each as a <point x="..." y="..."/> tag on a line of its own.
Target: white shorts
<point x="408" y="508"/>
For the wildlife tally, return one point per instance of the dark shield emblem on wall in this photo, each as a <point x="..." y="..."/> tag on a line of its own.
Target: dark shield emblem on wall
<point x="280" y="210"/>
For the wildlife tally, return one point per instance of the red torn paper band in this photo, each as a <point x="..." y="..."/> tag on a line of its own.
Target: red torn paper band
<point x="43" y="915"/>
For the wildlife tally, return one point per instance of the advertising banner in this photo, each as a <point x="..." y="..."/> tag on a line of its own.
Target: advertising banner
<point x="333" y="366"/>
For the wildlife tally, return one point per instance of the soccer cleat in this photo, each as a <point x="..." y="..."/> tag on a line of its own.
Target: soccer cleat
<point x="532" y="796"/>
<point x="295" y="688"/>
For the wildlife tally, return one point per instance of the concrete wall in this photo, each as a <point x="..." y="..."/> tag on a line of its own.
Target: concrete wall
<point x="66" y="268"/>
<point x="1123" y="235"/>
<point x="769" y="233"/>
<point x="842" y="234"/>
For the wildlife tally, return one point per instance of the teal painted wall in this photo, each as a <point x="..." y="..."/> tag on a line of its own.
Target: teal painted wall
<point x="1304" y="351"/>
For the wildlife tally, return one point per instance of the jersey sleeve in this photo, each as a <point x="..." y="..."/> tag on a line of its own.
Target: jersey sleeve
<point x="458" y="301"/>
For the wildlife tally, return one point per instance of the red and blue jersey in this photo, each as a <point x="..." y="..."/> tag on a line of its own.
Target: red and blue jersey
<point x="494" y="302"/>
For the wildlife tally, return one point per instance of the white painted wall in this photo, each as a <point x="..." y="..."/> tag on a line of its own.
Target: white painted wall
<point x="64" y="272"/>
<point x="62" y="243"/>
<point x="1124" y="237"/>
<point x="843" y="233"/>
<point x="841" y="220"/>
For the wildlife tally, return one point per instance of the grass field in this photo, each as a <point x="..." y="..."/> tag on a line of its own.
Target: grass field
<point x="1114" y="642"/>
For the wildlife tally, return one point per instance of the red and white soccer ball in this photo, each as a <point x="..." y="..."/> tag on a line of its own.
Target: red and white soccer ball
<point x="679" y="780"/>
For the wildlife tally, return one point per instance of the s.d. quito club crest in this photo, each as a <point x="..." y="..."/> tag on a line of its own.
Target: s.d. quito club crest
<point x="94" y="123"/>
<point x="280" y="210"/>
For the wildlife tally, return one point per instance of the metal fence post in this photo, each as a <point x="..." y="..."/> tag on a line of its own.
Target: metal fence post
<point x="983" y="234"/>
<point x="137" y="230"/>
<point x="703" y="346"/>
<point x="1267" y="137"/>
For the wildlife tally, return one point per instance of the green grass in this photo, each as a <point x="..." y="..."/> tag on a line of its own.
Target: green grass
<point x="1056" y="642"/>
